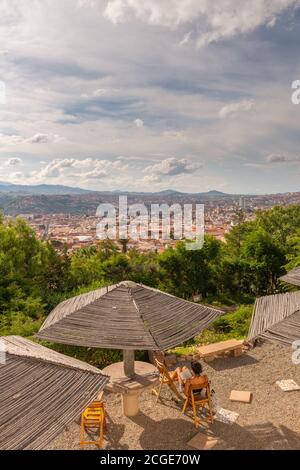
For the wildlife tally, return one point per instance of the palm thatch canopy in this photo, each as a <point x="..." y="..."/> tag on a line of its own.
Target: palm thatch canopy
<point x="127" y="316"/>
<point x="41" y="392"/>
<point x="276" y="318"/>
<point x="293" y="277"/>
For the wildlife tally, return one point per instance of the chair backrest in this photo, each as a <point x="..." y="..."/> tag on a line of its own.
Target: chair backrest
<point x="158" y="356"/>
<point x="162" y="368"/>
<point x="197" y="388"/>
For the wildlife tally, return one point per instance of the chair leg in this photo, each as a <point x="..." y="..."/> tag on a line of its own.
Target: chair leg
<point x="101" y="433"/>
<point x="195" y="413"/>
<point x="174" y="389"/>
<point x="185" y="406"/>
<point x="201" y="414"/>
<point x="82" y="431"/>
<point x="159" y="391"/>
<point x="104" y="422"/>
<point x="210" y="408"/>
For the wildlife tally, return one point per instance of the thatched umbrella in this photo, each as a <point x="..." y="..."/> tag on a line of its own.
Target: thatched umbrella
<point x="41" y="392"/>
<point x="276" y="318"/>
<point x="292" y="277"/>
<point x="127" y="316"/>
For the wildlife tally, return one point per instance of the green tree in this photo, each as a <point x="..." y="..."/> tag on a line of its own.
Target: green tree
<point x="189" y="272"/>
<point x="293" y="251"/>
<point x="280" y="222"/>
<point x="144" y="267"/>
<point x="262" y="262"/>
<point x="24" y="272"/>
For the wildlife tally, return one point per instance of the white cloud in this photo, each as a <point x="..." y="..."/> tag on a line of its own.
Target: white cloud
<point x="16" y="176"/>
<point x="10" y="140"/>
<point x="254" y="165"/>
<point x="234" y="109"/>
<point x="7" y="140"/>
<point x="186" y="39"/>
<point x="273" y="158"/>
<point x="42" y="139"/>
<point x="86" y="169"/>
<point x="151" y="179"/>
<point x="172" y="167"/>
<point x="55" y="168"/>
<point x="180" y="135"/>
<point x="276" y="158"/>
<point x="38" y="139"/>
<point x="14" y="161"/>
<point x="86" y="3"/>
<point x="281" y="158"/>
<point x="215" y="19"/>
<point x="96" y="93"/>
<point x="116" y="11"/>
<point x="138" y="123"/>
<point x="100" y="92"/>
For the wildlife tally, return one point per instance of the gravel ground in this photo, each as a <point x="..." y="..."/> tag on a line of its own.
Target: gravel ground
<point x="271" y="421"/>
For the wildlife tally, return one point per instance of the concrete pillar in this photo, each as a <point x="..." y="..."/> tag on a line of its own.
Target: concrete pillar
<point x="130" y="404"/>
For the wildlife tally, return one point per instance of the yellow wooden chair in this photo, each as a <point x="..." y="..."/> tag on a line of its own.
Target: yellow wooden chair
<point x="195" y="399"/>
<point x="93" y="417"/>
<point x="164" y="379"/>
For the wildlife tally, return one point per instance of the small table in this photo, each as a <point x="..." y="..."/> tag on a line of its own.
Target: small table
<point x="146" y="377"/>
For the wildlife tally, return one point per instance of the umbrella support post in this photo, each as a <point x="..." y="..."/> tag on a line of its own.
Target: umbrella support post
<point x="128" y="360"/>
<point x="130" y="389"/>
<point x="130" y="400"/>
<point x="130" y="404"/>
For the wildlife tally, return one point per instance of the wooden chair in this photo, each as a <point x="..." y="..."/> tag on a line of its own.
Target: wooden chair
<point x="195" y="400"/>
<point x="164" y="379"/>
<point x="93" y="417"/>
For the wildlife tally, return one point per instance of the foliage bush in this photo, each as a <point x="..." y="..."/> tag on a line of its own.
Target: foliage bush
<point x="236" y="323"/>
<point x="97" y="357"/>
<point x="231" y="325"/>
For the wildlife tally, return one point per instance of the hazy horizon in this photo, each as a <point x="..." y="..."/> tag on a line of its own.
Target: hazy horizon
<point x="163" y="190"/>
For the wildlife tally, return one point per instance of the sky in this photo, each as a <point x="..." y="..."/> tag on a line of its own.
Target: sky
<point x="147" y="95"/>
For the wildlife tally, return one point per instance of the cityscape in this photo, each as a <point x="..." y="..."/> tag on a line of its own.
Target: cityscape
<point x="74" y="231"/>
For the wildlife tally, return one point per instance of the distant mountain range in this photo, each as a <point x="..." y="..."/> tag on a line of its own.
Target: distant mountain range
<point x="47" y="189"/>
<point x="59" y="199"/>
<point x="213" y="193"/>
<point x="40" y="189"/>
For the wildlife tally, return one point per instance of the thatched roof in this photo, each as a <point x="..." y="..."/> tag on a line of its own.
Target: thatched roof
<point x="293" y="277"/>
<point x="41" y="392"/>
<point x="277" y="318"/>
<point x="127" y="316"/>
<point x="19" y="346"/>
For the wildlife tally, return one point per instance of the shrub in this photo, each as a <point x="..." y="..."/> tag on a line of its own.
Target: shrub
<point x="237" y="322"/>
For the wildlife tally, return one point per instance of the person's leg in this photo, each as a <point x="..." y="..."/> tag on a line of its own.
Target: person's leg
<point x="175" y="374"/>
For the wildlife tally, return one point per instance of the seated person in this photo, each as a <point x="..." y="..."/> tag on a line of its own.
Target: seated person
<point x="187" y="377"/>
